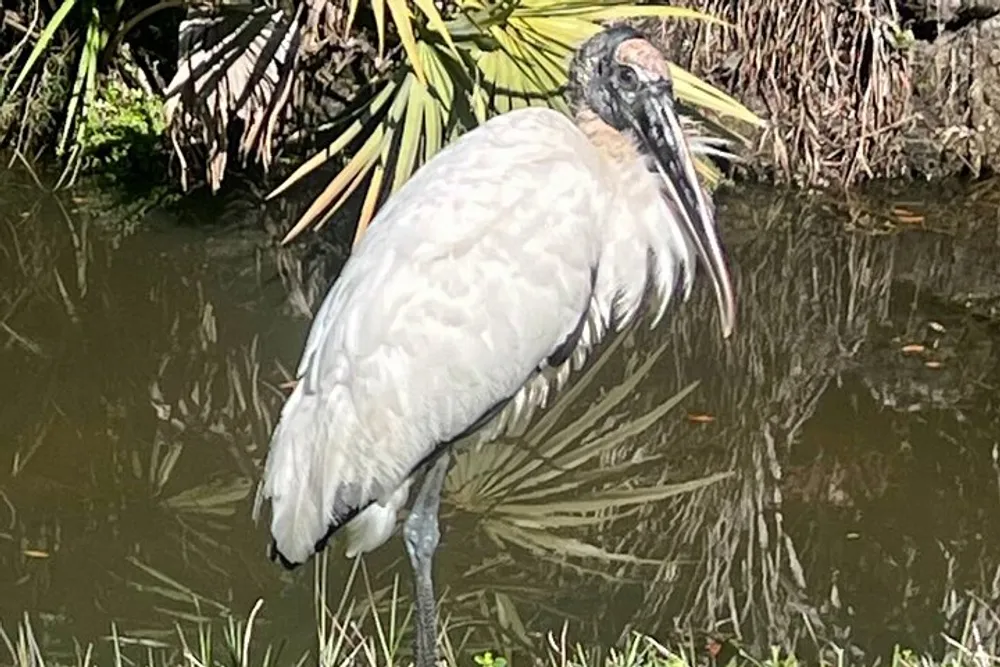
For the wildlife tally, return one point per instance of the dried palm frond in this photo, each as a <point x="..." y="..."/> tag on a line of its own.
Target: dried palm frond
<point x="833" y="76"/>
<point x="238" y="64"/>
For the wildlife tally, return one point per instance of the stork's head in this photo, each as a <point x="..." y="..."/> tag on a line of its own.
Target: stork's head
<point x="620" y="76"/>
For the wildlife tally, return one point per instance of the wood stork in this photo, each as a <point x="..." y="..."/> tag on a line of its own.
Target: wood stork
<point x="489" y="275"/>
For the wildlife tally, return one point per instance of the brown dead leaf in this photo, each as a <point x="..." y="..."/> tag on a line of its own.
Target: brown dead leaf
<point x="700" y="418"/>
<point x="906" y="216"/>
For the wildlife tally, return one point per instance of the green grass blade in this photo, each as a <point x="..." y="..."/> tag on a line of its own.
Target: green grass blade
<point x="43" y="41"/>
<point x="85" y="74"/>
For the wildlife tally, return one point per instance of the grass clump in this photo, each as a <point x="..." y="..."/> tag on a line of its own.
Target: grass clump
<point x="370" y="630"/>
<point x="351" y="647"/>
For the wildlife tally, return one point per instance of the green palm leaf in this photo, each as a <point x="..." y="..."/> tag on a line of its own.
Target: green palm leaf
<point x="373" y="108"/>
<point x="404" y="25"/>
<point x="489" y="59"/>
<point x="86" y="75"/>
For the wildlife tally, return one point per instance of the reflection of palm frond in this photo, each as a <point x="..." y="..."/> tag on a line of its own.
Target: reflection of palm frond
<point x="826" y="289"/>
<point x="216" y="498"/>
<point x="528" y="493"/>
<point x="240" y="65"/>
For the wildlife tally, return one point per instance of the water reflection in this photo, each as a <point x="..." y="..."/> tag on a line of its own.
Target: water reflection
<point x="854" y="412"/>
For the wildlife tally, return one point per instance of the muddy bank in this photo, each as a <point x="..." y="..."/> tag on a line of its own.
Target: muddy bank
<point x="857" y="90"/>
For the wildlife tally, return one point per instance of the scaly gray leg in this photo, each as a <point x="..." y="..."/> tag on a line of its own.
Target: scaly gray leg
<point x="421" y="535"/>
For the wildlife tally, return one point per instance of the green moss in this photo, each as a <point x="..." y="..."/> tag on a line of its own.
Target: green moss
<point x="123" y="130"/>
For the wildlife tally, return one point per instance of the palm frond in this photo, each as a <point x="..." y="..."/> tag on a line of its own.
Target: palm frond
<point x="218" y="498"/>
<point x="488" y="59"/>
<point x="405" y="115"/>
<point x="237" y="64"/>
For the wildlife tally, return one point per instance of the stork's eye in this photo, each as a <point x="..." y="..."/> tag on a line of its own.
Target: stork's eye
<point x="627" y="78"/>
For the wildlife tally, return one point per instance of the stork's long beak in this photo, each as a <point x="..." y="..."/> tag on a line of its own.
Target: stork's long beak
<point x="656" y="123"/>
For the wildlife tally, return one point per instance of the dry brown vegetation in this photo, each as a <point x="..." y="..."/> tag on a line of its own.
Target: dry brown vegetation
<point x="850" y="92"/>
<point x="853" y="90"/>
<point x="826" y="75"/>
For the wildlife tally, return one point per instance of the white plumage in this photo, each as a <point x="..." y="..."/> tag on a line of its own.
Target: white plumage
<point x="479" y="285"/>
<point x="475" y="272"/>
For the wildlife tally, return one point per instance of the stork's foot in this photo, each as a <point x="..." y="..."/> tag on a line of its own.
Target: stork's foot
<point x="421" y="535"/>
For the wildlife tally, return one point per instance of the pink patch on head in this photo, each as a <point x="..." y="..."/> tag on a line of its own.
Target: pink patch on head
<point x="642" y="54"/>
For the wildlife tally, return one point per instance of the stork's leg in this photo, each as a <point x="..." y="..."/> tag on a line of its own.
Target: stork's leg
<point x="421" y="535"/>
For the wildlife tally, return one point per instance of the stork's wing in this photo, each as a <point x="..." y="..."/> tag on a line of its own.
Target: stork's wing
<point x="470" y="279"/>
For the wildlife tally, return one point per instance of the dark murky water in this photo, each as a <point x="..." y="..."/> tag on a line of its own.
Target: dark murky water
<point x="857" y="409"/>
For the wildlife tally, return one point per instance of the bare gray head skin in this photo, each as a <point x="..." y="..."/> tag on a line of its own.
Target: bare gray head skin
<point x="622" y="78"/>
<point x="593" y="69"/>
